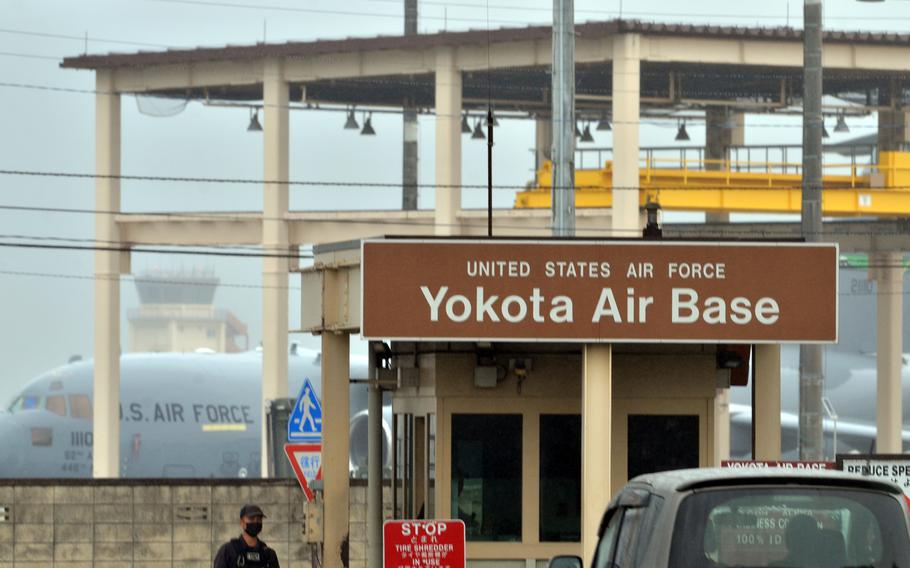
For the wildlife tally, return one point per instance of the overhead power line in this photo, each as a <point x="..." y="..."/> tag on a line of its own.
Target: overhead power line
<point x="143" y="249"/>
<point x="318" y="184"/>
<point x="176" y="281"/>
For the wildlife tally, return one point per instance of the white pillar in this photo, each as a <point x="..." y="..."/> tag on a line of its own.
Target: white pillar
<point x="766" y="411"/>
<point x="889" y="283"/>
<point x="106" y="413"/>
<point x="596" y="440"/>
<point x="274" y="241"/>
<point x="626" y="104"/>
<point x="336" y="443"/>
<point x="448" y="142"/>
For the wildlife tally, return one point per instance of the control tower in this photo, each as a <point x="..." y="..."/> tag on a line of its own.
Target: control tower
<point x="177" y="313"/>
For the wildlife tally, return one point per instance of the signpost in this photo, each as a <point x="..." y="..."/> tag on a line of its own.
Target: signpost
<point x="765" y="464"/>
<point x="304" y="447"/>
<point x="419" y="544"/>
<point x="891" y="467"/>
<point x="595" y="291"/>
<point x="306" y="459"/>
<point x="305" y="423"/>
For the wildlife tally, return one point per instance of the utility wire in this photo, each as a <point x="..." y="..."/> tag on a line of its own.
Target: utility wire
<point x="97" y="248"/>
<point x="42" y="238"/>
<point x="170" y="282"/>
<point x="318" y="184"/>
<point x="281" y="8"/>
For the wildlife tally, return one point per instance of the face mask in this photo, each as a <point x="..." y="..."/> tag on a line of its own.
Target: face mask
<point x="253" y="529"/>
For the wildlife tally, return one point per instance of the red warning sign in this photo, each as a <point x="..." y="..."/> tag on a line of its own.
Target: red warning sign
<point x="419" y="544"/>
<point x="306" y="459"/>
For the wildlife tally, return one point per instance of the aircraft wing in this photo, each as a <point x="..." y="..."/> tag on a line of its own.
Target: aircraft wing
<point x="852" y="436"/>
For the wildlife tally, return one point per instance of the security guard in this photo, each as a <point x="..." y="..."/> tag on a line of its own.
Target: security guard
<point x="247" y="551"/>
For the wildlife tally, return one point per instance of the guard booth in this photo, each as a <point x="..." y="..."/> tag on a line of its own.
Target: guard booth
<point x="531" y="379"/>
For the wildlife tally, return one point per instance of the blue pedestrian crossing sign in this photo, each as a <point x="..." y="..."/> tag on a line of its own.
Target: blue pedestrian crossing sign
<point x="305" y="423"/>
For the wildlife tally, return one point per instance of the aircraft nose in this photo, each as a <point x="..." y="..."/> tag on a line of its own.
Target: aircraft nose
<point x="12" y="448"/>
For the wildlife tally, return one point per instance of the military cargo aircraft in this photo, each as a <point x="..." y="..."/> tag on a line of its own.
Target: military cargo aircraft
<point x="850" y="387"/>
<point x="181" y="415"/>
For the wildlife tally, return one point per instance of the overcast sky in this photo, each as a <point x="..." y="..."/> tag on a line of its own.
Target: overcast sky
<point x="46" y="296"/>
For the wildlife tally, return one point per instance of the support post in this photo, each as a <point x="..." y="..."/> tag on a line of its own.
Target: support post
<point x="448" y="142"/>
<point x="274" y="241"/>
<point x="626" y="107"/>
<point x="811" y="373"/>
<point x="563" y="108"/>
<point x="888" y="272"/>
<point x="106" y="412"/>
<point x="409" y="150"/>
<point x="374" y="476"/>
<point x="596" y="440"/>
<point x="723" y="128"/>
<point x="766" y="410"/>
<point x="721" y="425"/>
<point x="543" y="140"/>
<point x="336" y="443"/>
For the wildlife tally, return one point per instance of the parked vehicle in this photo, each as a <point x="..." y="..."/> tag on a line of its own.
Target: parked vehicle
<point x="713" y="518"/>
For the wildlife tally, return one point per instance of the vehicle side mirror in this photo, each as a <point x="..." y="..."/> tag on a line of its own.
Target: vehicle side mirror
<point x="565" y="562"/>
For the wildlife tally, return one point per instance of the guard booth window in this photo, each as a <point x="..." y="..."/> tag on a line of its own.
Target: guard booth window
<point x="486" y="475"/>
<point x="560" y="478"/>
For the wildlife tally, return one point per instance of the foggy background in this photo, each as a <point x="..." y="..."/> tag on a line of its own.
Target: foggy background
<point x="46" y="296"/>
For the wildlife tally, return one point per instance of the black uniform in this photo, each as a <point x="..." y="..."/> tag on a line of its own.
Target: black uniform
<point x="236" y="554"/>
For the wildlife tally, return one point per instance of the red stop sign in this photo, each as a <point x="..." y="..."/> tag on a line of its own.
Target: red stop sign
<point x="418" y="544"/>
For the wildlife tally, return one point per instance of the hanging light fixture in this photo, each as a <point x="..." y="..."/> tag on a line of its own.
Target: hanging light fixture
<point x="254" y="121"/>
<point x="577" y="131"/>
<point x="681" y="134"/>
<point x="478" y="132"/>
<point x="841" y="124"/>
<point x="586" y="135"/>
<point x="351" y="122"/>
<point x="824" y="130"/>
<point x="603" y="125"/>
<point x="368" y="126"/>
<point x="465" y="127"/>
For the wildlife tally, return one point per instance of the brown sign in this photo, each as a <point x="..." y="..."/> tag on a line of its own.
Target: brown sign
<point x="599" y="291"/>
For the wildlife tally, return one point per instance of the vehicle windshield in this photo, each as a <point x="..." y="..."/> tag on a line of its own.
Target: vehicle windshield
<point x="790" y="527"/>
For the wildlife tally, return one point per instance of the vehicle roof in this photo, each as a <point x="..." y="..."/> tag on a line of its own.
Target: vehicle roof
<point x="688" y="479"/>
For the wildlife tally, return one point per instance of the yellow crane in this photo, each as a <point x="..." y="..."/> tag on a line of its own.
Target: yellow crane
<point x="881" y="189"/>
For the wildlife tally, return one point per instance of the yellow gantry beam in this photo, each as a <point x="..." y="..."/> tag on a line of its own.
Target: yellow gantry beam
<point x="741" y="187"/>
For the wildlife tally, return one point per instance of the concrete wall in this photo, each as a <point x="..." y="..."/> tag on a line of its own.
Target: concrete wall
<point x="152" y="523"/>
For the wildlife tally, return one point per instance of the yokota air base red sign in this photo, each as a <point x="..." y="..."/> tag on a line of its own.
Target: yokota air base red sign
<point x="419" y="544"/>
<point x="590" y="291"/>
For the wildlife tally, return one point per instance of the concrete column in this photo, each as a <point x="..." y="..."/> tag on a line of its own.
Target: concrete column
<point x="596" y="440"/>
<point x="543" y="140"/>
<point x="448" y="142"/>
<point x="106" y="409"/>
<point x="274" y="241"/>
<point x="888" y="272"/>
<point x="410" y="128"/>
<point x="893" y="129"/>
<point x="766" y="408"/>
<point x="723" y="128"/>
<point x="336" y="443"/>
<point x="626" y="104"/>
